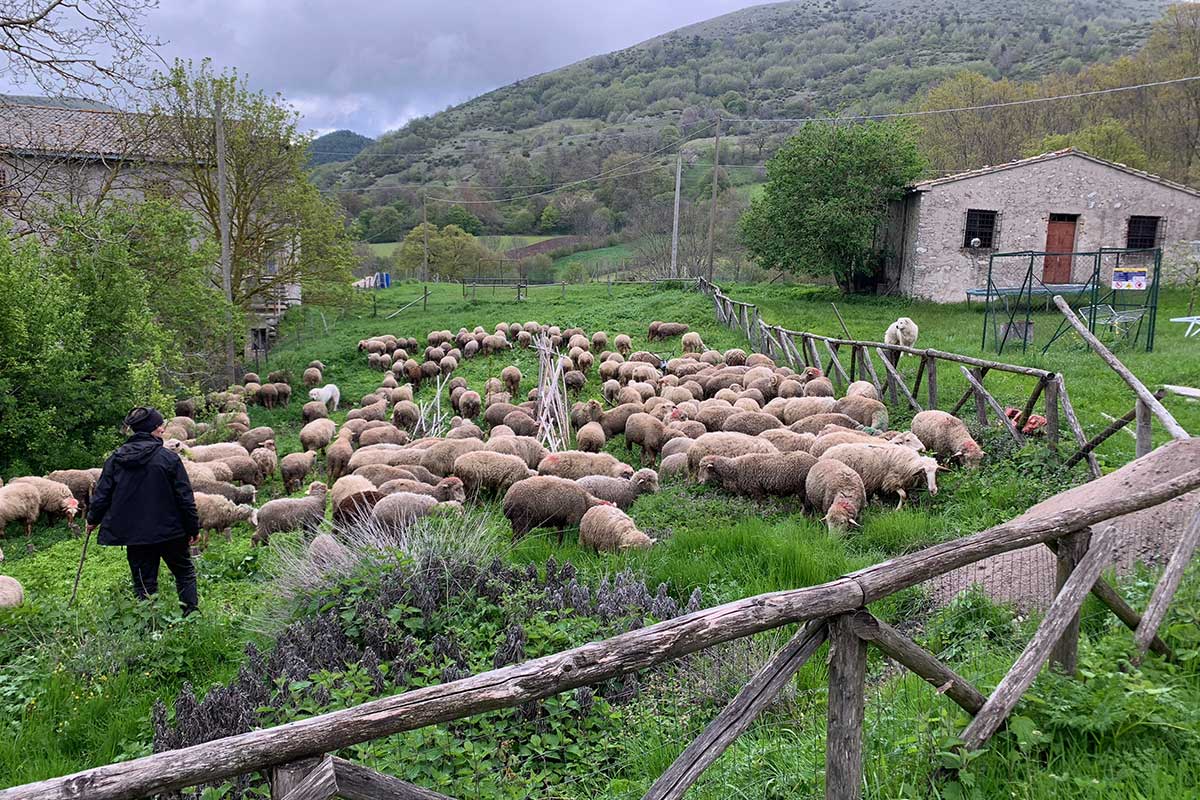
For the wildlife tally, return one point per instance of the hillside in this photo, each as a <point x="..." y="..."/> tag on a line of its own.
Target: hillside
<point x="336" y="146"/>
<point x="786" y="59"/>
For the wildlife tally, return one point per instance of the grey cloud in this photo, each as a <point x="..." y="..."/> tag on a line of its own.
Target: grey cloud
<point x="371" y="66"/>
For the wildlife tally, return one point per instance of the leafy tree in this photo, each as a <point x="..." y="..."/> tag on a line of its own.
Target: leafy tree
<point x="282" y="231"/>
<point x="1107" y="139"/>
<point x="524" y="221"/>
<point x="453" y="253"/>
<point x="459" y="216"/>
<point x="826" y="195"/>
<point x="381" y="224"/>
<point x="551" y="220"/>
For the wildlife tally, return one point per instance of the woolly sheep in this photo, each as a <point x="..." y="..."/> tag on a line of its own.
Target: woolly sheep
<point x="329" y="394"/>
<point x="599" y="340"/>
<point x="379" y="474"/>
<point x="464" y="430"/>
<point x="621" y="492"/>
<point x="947" y="436"/>
<point x="614" y="419"/>
<point x="451" y="488"/>
<point x="265" y="458"/>
<point x="574" y="380"/>
<point x="312" y="377"/>
<point x="714" y="413"/>
<point x="396" y="512"/>
<point x="863" y="410"/>
<point x="81" y="482"/>
<point x="218" y="514"/>
<point x="546" y="501"/>
<point x="488" y="471"/>
<point x="383" y="434"/>
<point x="290" y="513"/>
<point x="317" y="434"/>
<point x="673" y="466"/>
<point x="678" y="445"/>
<point x="692" y="343"/>
<point x="832" y="435"/>
<point x="238" y="494"/>
<point x="572" y="464"/>
<point x="623" y="344"/>
<point x="862" y="389"/>
<point x="606" y="528"/>
<point x="528" y="449"/>
<point x="590" y="438"/>
<point x="583" y="413"/>
<point x="244" y="469"/>
<point x="727" y="444"/>
<point x="521" y="423"/>
<point x="439" y="459"/>
<point x="751" y="422"/>
<point x="405" y="415"/>
<point x="816" y="422"/>
<point x="836" y="491"/>
<point x="758" y="474"/>
<point x="253" y="438"/>
<point x="295" y="467"/>
<point x="788" y="441"/>
<point x="214" y="452"/>
<point x="12" y="593"/>
<point x="19" y="502"/>
<point x="313" y="410"/>
<point x="665" y="330"/>
<point x="886" y="468"/>
<point x="819" y="387"/>
<point x="469" y="405"/>
<point x="649" y="433"/>
<point x="54" y="498"/>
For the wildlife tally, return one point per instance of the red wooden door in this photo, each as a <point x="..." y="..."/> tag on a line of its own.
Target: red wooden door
<point x="1060" y="238"/>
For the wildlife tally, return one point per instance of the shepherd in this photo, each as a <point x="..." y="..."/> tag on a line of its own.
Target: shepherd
<point x="144" y="503"/>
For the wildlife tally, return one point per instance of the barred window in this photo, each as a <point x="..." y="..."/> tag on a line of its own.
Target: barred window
<point x="981" y="225"/>
<point x="1142" y="233"/>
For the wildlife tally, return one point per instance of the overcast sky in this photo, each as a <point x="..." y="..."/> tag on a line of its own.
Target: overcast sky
<point x="371" y="65"/>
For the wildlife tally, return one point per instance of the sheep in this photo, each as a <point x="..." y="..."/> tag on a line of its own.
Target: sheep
<point x="788" y="441"/>
<point x="279" y="376"/>
<point x="405" y="415"/>
<point x="253" y="438"/>
<point x="902" y="332"/>
<point x="947" y="436"/>
<point x="447" y="489"/>
<point x="312" y="377"/>
<point x="396" y="512"/>
<point x="295" y="467"/>
<point x="649" y="433"/>
<point x="317" y="434"/>
<point x="267" y="395"/>
<point x="469" y="405"/>
<point x="573" y="464"/>
<point x="816" y="422"/>
<point x="219" y="514"/>
<point x="680" y="445"/>
<point x="665" y="330"/>
<point x="238" y="494"/>
<point x="751" y="422"/>
<point x="54" y="498"/>
<point x="379" y="474"/>
<point x="214" y="452"/>
<point x="244" y="469"/>
<point x="314" y="409"/>
<point x="714" y="413"/>
<point x="265" y="458"/>
<point x="837" y="491"/>
<point x="574" y="380"/>
<point x="81" y="482"/>
<point x="383" y="434"/>
<point x="673" y="466"/>
<point x="614" y="419"/>
<point x="819" y="387"/>
<point x="758" y="474"/>
<point x="623" y="344"/>
<point x="375" y="411"/>
<point x="728" y="444"/>
<point x="863" y="389"/>
<point x="546" y="501"/>
<point x="209" y="470"/>
<point x="327" y="394"/>
<point x="439" y="459"/>
<point x="621" y="492"/>
<point x="464" y="430"/>
<point x="290" y="514"/>
<point x="832" y="435"/>
<point x="599" y="341"/>
<point x="12" y="593"/>
<point x="886" y="468"/>
<point x="187" y="407"/>
<point x="590" y="438"/>
<point x="521" y="423"/>
<point x="605" y="528"/>
<point x="864" y="410"/>
<point x="692" y="343"/>
<point x="20" y="501"/>
<point x="530" y="450"/>
<point x="488" y="471"/>
<point x="338" y="454"/>
<point x="583" y="413"/>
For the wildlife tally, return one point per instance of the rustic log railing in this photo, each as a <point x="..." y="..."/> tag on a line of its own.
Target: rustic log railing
<point x="299" y="755"/>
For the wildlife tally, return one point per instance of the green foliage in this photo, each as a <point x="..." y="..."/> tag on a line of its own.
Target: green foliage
<point x="336" y="146"/>
<point x="1107" y="139"/>
<point x="461" y="218"/>
<point x="453" y="253"/>
<point x="550" y="221"/>
<point x="826" y="196"/>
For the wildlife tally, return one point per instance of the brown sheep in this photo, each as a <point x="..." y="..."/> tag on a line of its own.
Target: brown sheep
<point x="818" y="387"/>
<point x="317" y="434"/>
<point x="590" y="438"/>
<point x="295" y="468"/>
<point x="947" y="436"/>
<point x="511" y="377"/>
<point x="789" y="441"/>
<point x="379" y="474"/>
<point x="383" y="434"/>
<point x="312" y="410"/>
<point x="572" y="464"/>
<point x="751" y="422"/>
<point x="887" y="468"/>
<point x="451" y="488"/>
<point x="405" y="415"/>
<point x="758" y="474"/>
<point x="797" y="408"/>
<point x="614" y="419"/>
<point x="623" y="344"/>
<point x="666" y="330"/>
<point x="312" y="378"/>
<point x="837" y="492"/>
<point x="291" y="514"/>
<point x="863" y="410"/>
<point x="816" y="422"/>
<point x="621" y="492"/>
<point x="337" y="455"/>
<point x="583" y="413"/>
<point x="521" y="423"/>
<point x="726" y="444"/>
<point x="439" y="459"/>
<point x="546" y="501"/>
<point x="469" y="405"/>
<point x="488" y="471"/>
<point x="605" y="528"/>
<point x="650" y="434"/>
<point x="528" y="449"/>
<point x="863" y="389"/>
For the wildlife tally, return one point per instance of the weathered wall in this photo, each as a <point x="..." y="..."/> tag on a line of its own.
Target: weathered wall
<point x="938" y="268"/>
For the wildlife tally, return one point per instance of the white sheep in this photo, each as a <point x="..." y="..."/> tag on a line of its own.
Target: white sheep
<point x="329" y="393"/>
<point x="886" y="468"/>
<point x="219" y="514"/>
<point x="609" y="528"/>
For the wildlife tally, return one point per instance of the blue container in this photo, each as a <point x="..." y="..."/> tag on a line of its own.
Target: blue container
<point x="387" y="280"/>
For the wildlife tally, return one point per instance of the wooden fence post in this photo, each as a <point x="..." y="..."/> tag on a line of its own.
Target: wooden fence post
<point x="980" y="403"/>
<point x="1051" y="403"/>
<point x="1073" y="422"/>
<point x="1071" y="550"/>
<point x="425" y="299"/>
<point x="1164" y="590"/>
<point x="931" y="380"/>
<point x="847" y="698"/>
<point x="1145" y="442"/>
<point x="287" y="777"/>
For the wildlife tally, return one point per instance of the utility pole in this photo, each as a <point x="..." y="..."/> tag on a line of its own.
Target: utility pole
<point x="226" y="250"/>
<point x="425" y="238"/>
<point x="712" y="211"/>
<point x="675" y="226"/>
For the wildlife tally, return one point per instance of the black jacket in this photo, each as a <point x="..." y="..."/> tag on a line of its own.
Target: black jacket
<point x="143" y="495"/>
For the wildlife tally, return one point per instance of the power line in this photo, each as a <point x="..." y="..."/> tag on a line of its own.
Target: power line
<point x="985" y="107"/>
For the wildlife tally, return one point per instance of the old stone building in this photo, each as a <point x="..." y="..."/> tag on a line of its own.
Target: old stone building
<point x="940" y="235"/>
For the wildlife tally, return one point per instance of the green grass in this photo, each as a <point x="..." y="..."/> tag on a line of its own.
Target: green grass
<point x="585" y="261"/>
<point x="499" y="243"/>
<point x="77" y="685"/>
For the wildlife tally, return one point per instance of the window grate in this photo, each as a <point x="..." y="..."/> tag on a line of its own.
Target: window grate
<point x="981" y="225"/>
<point x="1142" y="233"/>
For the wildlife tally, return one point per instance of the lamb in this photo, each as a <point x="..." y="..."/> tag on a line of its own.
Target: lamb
<point x="758" y="474"/>
<point x="837" y="491"/>
<point x="295" y="467"/>
<point x="528" y="449"/>
<point x="623" y="344"/>
<point x="724" y="443"/>
<point x="327" y="394"/>
<point x="666" y="330"/>
<point x="219" y="514"/>
<point x="317" y="434"/>
<point x="621" y="492"/>
<point x="488" y="471"/>
<point x="649" y="433"/>
<point x="312" y="377"/>
<point x="902" y="332"/>
<point x="546" y="501"/>
<point x="265" y="458"/>
<point x="590" y="438"/>
<point x="817" y="422"/>
<point x="290" y="514"/>
<point x="313" y="410"/>
<point x="863" y="389"/>
<point x="511" y="377"/>
<point x="572" y="464"/>
<point x="673" y="466"/>
<point x="886" y="468"/>
<point x="605" y="528"/>
<point x="863" y="410"/>
<point x="54" y="498"/>
<point x="19" y="501"/>
<point x="947" y="436"/>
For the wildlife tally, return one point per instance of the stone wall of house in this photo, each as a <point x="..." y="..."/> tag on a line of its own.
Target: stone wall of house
<point x="937" y="267"/>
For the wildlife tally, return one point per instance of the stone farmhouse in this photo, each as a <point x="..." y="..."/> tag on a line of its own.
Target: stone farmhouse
<point x="939" y="237"/>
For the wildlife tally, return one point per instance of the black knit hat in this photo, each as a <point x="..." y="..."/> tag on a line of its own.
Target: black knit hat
<point x="143" y="419"/>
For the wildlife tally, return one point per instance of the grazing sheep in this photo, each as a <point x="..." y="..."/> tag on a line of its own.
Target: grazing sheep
<point x="714" y="413"/>
<point x="546" y="501"/>
<point x="19" y="502"/>
<point x="583" y="413"/>
<point x="244" y="469"/>
<point x="464" y="430"/>
<point x="837" y="491"/>
<point x="218" y="514"/>
<point x="327" y="394"/>
<point x="621" y="492"/>
<point x="12" y="593"/>
<point x="339" y="453"/>
<point x="902" y="332"/>
<point x="819" y="387"/>
<point x="238" y="494"/>
<point x="253" y="438"/>
<point x="439" y="459"/>
<point x="314" y="410"/>
<point x="679" y="445"/>
<point x="209" y="470"/>
<point x="268" y="395"/>
<point x="947" y="436"/>
<point x="692" y="343"/>
<point x="649" y="433"/>
<point x="265" y="458"/>
<point x="317" y="434"/>
<point x="788" y="441"/>
<point x="488" y="471"/>
<point x="446" y="489"/>
<point x="606" y="528"/>
<point x="383" y="434"/>
<point x="187" y="407"/>
<point x="816" y="422"/>
<point x="312" y="377"/>
<point x="214" y="452"/>
<point x="833" y="435"/>
<point x="674" y="466"/>
<point x="469" y="405"/>
<point x="623" y="344"/>
<point x="862" y="389"/>
<point x="574" y="380"/>
<point x="521" y="423"/>
<point x="510" y="376"/>
<point x="614" y="419"/>
<point x="54" y="498"/>
<point x="395" y="512"/>
<point x="725" y="443"/>
<point x="666" y="330"/>
<point x="758" y="474"/>
<point x="290" y="514"/>
<point x="887" y="468"/>
<point x="863" y="410"/>
<point x="295" y="467"/>
<point x="572" y="464"/>
<point x="81" y="482"/>
<point x="406" y="414"/>
<point x="374" y="411"/>
<point x="528" y="449"/>
<point x="590" y="438"/>
<point x="379" y="474"/>
<point x="599" y="341"/>
<point x="751" y="422"/>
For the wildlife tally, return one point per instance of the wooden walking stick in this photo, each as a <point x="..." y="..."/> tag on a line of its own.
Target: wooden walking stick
<point x="82" y="555"/>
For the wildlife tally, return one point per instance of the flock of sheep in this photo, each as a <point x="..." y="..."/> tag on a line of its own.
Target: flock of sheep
<point x="734" y="420"/>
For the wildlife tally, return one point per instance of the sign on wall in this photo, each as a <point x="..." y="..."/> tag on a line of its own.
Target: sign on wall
<point x="1129" y="278"/>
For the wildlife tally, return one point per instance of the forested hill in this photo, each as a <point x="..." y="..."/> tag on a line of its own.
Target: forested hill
<point x="786" y="59"/>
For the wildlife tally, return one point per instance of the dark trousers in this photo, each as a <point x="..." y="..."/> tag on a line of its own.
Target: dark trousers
<point x="177" y="553"/>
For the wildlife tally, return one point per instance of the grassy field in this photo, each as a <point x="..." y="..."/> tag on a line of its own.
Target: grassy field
<point x="585" y="261"/>
<point x="77" y="685"/>
<point x="497" y="243"/>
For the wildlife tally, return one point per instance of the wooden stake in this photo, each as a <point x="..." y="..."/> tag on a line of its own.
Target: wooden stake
<point x="975" y="378"/>
<point x="1160" y="600"/>
<point x="1144" y="433"/>
<point x="1073" y="422"/>
<point x="1071" y="550"/>
<point x="968" y="394"/>
<point x="931" y="382"/>
<point x="895" y="380"/>
<point x="869" y="366"/>
<point x="847" y="698"/>
<point x="1051" y="408"/>
<point x="982" y="395"/>
<point x="836" y="365"/>
<point x="356" y="782"/>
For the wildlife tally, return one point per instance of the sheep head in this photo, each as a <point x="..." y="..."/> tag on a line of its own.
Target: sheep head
<point x="646" y="481"/>
<point x="841" y="515"/>
<point x="969" y="453"/>
<point x="927" y="467"/>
